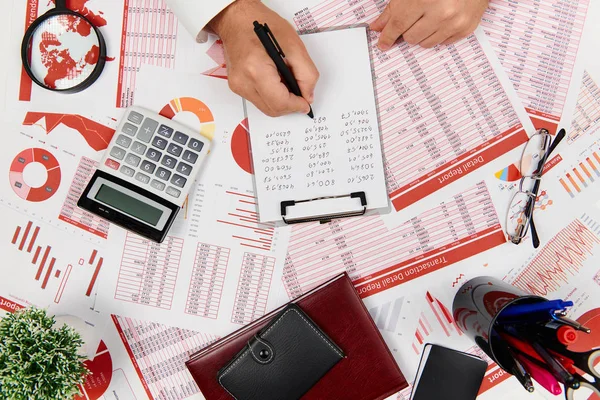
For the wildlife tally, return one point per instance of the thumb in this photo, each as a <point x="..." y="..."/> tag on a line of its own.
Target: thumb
<point x="382" y="20"/>
<point x="305" y="72"/>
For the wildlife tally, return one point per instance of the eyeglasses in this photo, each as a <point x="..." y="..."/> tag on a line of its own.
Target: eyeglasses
<point x="519" y="218"/>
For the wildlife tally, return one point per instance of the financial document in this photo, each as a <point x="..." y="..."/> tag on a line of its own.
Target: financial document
<point x="541" y="46"/>
<point x="219" y="268"/>
<point x="336" y="153"/>
<point x="445" y="112"/>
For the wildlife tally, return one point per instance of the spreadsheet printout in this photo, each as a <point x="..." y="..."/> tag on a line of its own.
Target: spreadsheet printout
<point x="444" y="112"/>
<point x="336" y="153"/>
<point x="219" y="268"/>
<point x="540" y="46"/>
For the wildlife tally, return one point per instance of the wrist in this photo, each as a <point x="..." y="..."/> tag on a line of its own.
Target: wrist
<point x="231" y="16"/>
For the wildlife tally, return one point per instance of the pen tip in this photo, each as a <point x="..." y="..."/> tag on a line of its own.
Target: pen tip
<point x="310" y="113"/>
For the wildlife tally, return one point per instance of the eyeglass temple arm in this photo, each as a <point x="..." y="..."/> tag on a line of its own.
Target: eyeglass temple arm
<point x="536" y="186"/>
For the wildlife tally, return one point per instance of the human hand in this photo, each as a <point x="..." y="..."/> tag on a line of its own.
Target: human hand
<point x="251" y="72"/>
<point x="428" y="22"/>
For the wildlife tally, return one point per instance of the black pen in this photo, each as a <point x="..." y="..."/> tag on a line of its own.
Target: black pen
<point x="274" y="51"/>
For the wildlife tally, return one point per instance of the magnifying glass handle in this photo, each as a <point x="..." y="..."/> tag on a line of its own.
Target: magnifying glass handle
<point x="60" y="4"/>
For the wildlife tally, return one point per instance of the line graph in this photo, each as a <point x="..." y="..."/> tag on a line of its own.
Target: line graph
<point x="562" y="258"/>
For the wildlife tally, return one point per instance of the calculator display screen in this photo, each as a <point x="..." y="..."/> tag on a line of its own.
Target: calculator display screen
<point x="129" y="205"/>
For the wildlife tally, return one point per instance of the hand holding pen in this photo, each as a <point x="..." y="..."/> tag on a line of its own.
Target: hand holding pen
<point x="251" y="72"/>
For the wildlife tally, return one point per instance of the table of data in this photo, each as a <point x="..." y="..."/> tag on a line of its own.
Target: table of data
<point x="148" y="271"/>
<point x="253" y="288"/>
<point x="208" y="278"/>
<point x="369" y="251"/>
<point x="76" y="216"/>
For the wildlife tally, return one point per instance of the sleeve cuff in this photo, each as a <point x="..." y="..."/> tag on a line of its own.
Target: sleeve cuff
<point x="194" y="15"/>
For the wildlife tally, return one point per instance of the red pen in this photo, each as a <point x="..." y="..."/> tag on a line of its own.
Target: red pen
<point x="540" y="375"/>
<point x="521" y="346"/>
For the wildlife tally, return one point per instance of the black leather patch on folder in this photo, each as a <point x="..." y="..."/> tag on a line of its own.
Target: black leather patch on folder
<point x="283" y="361"/>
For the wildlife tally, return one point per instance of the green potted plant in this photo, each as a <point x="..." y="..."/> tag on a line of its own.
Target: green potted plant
<point x="39" y="360"/>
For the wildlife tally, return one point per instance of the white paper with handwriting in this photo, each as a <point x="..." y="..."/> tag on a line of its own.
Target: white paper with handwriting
<point x="336" y="153"/>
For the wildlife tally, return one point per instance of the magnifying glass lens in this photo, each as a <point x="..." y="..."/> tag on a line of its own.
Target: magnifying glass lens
<point x="63" y="51"/>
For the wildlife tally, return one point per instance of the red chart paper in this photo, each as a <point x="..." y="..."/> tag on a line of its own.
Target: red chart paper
<point x="377" y="258"/>
<point x="444" y="112"/>
<point x="538" y="44"/>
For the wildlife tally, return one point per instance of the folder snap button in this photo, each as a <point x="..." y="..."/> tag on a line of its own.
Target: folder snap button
<point x="264" y="354"/>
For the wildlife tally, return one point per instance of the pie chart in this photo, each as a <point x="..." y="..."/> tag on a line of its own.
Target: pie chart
<point x="240" y="147"/>
<point x="29" y="192"/>
<point x="509" y="174"/>
<point x="101" y="368"/>
<point x="196" y="107"/>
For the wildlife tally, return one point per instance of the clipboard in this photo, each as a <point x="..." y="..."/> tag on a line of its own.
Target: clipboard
<point x="329" y="167"/>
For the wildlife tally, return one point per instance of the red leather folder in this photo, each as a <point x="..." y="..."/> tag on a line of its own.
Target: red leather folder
<point x="368" y="371"/>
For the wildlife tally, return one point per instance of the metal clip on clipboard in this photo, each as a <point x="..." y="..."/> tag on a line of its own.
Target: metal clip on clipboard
<point x="328" y="217"/>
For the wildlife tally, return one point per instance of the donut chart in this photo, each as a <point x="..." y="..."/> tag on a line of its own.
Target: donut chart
<point x="240" y="146"/>
<point x="196" y="107"/>
<point x="48" y="188"/>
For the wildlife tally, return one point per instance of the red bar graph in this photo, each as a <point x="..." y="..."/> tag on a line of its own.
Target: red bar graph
<point x="63" y="283"/>
<point x="33" y="238"/>
<point x="16" y="235"/>
<point x="38" y="275"/>
<point x="243" y="219"/>
<point x="88" y="292"/>
<point x="24" y="238"/>
<point x="48" y="273"/>
<point x="36" y="255"/>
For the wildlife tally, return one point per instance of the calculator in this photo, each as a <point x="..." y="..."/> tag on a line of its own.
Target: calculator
<point x="146" y="173"/>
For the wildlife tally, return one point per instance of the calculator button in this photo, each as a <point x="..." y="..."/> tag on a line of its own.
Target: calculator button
<point x="163" y="174"/>
<point x="190" y="156"/>
<point x="157" y="184"/>
<point x="174" y="149"/>
<point x="132" y="159"/>
<point x="142" y="178"/>
<point x="147" y="130"/>
<point x="138" y="148"/>
<point x="184" y="168"/>
<point x="168" y="162"/>
<point x="123" y="141"/>
<point x="178" y="180"/>
<point x="173" y="192"/>
<point x="165" y="131"/>
<point x="135" y="117"/>
<point x="148" y="167"/>
<point x="117" y="153"/>
<point x="129" y="129"/>
<point x="112" y="164"/>
<point x="159" y="142"/>
<point x="195" y="144"/>
<point x="126" y="170"/>
<point x="153" y="155"/>
<point x="180" y="137"/>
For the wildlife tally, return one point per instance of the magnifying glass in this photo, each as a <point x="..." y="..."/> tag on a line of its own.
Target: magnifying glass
<point x="63" y="51"/>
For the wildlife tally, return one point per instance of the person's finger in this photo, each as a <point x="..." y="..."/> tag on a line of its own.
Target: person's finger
<point x="278" y="98"/>
<point x="436" y="38"/>
<point x="455" y="38"/>
<point x="304" y="70"/>
<point x="396" y="26"/>
<point x="381" y="21"/>
<point x="259" y="103"/>
<point x="421" y="30"/>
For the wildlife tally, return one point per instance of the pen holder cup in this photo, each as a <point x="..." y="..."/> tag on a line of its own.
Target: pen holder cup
<point x="477" y="306"/>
